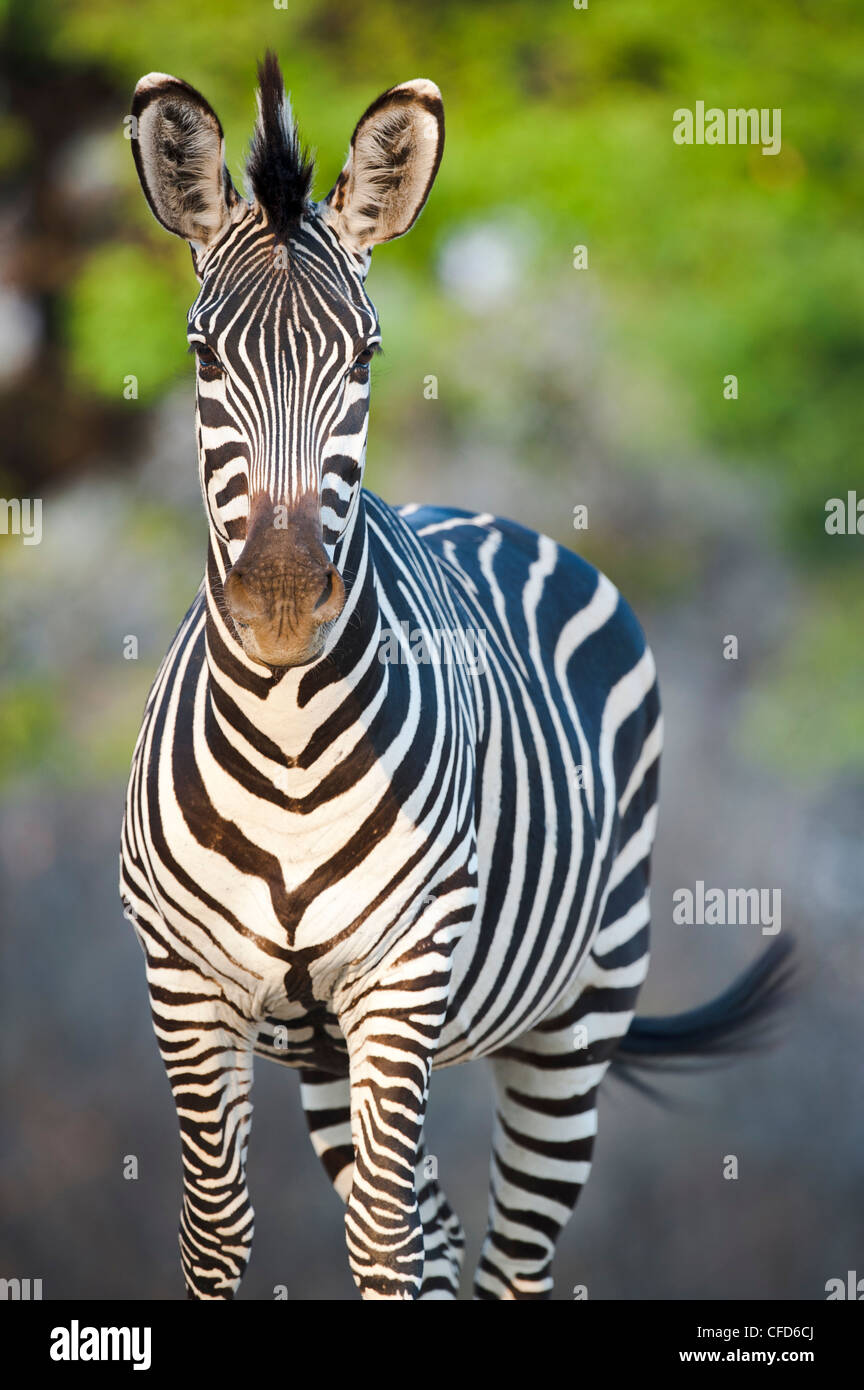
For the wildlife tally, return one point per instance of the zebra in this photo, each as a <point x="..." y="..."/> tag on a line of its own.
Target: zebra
<point x="361" y="868"/>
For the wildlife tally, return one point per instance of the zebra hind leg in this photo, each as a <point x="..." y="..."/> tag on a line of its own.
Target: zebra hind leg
<point x="327" y="1107"/>
<point x="546" y="1089"/>
<point x="443" y="1238"/>
<point x="546" y="1122"/>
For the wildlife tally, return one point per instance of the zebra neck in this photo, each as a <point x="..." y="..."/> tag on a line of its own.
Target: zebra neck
<point x="289" y="705"/>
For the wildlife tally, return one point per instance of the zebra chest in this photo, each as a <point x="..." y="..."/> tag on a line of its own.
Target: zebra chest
<point x="281" y="864"/>
<point x="293" y="886"/>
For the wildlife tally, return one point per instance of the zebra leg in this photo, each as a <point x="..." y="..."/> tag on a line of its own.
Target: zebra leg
<point x="327" y="1106"/>
<point x="391" y="1033"/>
<point x="443" y="1237"/>
<point x="208" y="1058"/>
<point x="546" y="1122"/>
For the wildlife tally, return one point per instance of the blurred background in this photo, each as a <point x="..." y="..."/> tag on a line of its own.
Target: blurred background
<point x="557" y="387"/>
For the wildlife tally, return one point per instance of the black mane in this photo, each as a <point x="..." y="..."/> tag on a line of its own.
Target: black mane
<point x="278" y="168"/>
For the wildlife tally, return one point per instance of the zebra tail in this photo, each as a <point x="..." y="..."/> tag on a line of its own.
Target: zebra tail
<point x="740" y="1020"/>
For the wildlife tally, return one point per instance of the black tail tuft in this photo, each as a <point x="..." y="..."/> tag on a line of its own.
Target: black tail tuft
<point x="739" y="1020"/>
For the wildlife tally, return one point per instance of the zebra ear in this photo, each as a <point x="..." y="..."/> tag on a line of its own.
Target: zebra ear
<point x="394" y="157"/>
<point x="179" y="152"/>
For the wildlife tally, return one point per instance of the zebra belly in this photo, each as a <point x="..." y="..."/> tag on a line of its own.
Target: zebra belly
<point x="565" y="699"/>
<point x="543" y="866"/>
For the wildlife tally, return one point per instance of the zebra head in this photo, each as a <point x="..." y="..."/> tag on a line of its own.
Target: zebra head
<point x="284" y="332"/>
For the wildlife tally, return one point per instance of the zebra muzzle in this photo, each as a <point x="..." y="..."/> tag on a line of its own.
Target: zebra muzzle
<point x="283" y="593"/>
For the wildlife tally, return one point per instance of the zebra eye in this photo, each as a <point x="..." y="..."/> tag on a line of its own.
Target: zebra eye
<point x="206" y="357"/>
<point x="363" y="359"/>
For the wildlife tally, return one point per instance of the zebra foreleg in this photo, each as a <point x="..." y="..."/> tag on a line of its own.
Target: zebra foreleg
<point x="327" y="1106"/>
<point x="391" y="1031"/>
<point x="209" y="1066"/>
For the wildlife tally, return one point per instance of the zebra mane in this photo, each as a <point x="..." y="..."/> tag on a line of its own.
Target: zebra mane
<point x="278" y="169"/>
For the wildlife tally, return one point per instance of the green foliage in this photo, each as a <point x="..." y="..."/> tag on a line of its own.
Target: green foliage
<point x="14" y="144"/>
<point x="125" y="316"/>
<point x="712" y="260"/>
<point x="703" y="261"/>
<point x="806" y="714"/>
<point x="30" y="726"/>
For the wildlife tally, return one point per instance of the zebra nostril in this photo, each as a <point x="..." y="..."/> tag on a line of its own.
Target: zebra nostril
<point x="327" y="592"/>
